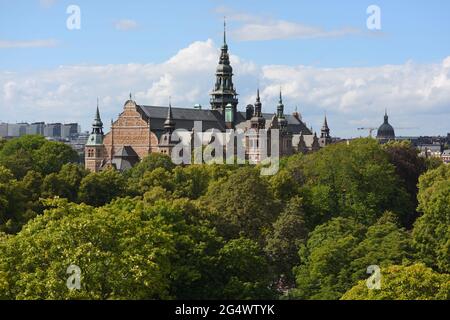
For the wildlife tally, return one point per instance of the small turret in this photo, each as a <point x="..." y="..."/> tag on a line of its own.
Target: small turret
<point x="282" y="122"/>
<point x="258" y="121"/>
<point x="169" y="124"/>
<point x="94" y="149"/>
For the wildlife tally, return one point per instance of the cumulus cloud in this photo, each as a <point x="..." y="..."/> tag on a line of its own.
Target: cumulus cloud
<point x="125" y="25"/>
<point x="9" y="44"/>
<point x="416" y="95"/>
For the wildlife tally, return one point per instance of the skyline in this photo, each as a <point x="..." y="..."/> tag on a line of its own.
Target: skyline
<point x="323" y="57"/>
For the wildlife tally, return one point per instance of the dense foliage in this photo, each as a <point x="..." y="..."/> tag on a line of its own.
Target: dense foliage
<point x="160" y="231"/>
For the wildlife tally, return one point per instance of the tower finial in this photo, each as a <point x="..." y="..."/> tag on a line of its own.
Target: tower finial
<point x="130" y="96"/>
<point x="224" y="30"/>
<point x="281" y="97"/>
<point x="97" y="113"/>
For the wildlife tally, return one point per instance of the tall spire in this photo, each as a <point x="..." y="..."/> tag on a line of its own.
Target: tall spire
<point x="96" y="136"/>
<point x="280" y="107"/>
<point x="258" y="105"/>
<point x="224" y="92"/>
<point x="224" y="31"/>
<point x="258" y="121"/>
<point x="97" y="124"/>
<point x="325" y="131"/>
<point x="169" y="124"/>
<point x="97" y="114"/>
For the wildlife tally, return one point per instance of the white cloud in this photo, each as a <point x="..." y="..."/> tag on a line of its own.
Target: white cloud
<point x="47" y="3"/>
<point x="263" y="28"/>
<point x="416" y="95"/>
<point x="280" y="29"/>
<point x="9" y="44"/>
<point x="125" y="25"/>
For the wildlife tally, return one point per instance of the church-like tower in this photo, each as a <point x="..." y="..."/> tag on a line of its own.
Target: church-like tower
<point x="166" y="143"/>
<point x="94" y="149"/>
<point x="325" y="137"/>
<point x="224" y="92"/>
<point x="282" y="122"/>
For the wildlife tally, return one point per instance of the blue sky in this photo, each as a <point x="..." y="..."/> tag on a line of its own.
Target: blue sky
<point x="34" y="42"/>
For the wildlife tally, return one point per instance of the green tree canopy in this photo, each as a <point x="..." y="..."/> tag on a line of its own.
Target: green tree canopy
<point x="97" y="189"/>
<point x="415" y="282"/>
<point x="431" y="232"/>
<point x="240" y="204"/>
<point x="29" y="152"/>
<point x="120" y="253"/>
<point x="339" y="252"/>
<point x="283" y="242"/>
<point x="65" y="183"/>
<point x="353" y="180"/>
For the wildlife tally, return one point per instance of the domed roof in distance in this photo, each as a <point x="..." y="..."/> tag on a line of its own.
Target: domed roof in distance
<point x="386" y="131"/>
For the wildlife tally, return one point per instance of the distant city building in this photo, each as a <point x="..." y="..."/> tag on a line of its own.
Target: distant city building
<point x="446" y="156"/>
<point x="67" y="133"/>
<point x="36" y="128"/>
<point x="53" y="131"/>
<point x="3" y="130"/>
<point x="69" y="130"/>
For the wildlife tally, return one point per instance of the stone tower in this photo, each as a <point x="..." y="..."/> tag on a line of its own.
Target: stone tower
<point x="224" y="92"/>
<point x="94" y="149"/>
<point x="325" y="138"/>
<point x="167" y="143"/>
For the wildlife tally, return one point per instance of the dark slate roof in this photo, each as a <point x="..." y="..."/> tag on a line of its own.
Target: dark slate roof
<point x="125" y="152"/>
<point x="211" y="119"/>
<point x="122" y="164"/>
<point x="184" y="118"/>
<point x="125" y="158"/>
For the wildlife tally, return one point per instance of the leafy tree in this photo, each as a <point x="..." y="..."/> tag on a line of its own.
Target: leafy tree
<point x="384" y="244"/>
<point x="338" y="253"/>
<point x="129" y="250"/>
<point x="65" y="183"/>
<point x="2" y="143"/>
<point x="240" y="204"/>
<point x="158" y="177"/>
<point x="51" y="156"/>
<point x="283" y="243"/>
<point x="431" y="232"/>
<point x="149" y="163"/>
<point x="432" y="163"/>
<point x="408" y="166"/>
<point x="245" y="271"/>
<point x="121" y="255"/>
<point x="97" y="189"/>
<point x="415" y="282"/>
<point x="191" y="181"/>
<point x="12" y="202"/>
<point x="324" y="258"/>
<point x="352" y="180"/>
<point x="29" y="152"/>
